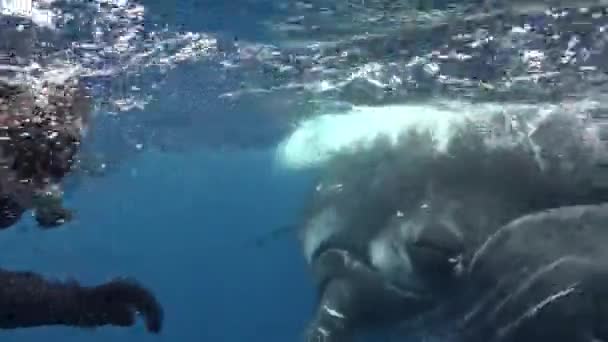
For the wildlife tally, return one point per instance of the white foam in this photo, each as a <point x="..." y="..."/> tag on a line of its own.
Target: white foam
<point x="22" y="8"/>
<point x="43" y="17"/>
<point x="315" y="140"/>
<point x="31" y="10"/>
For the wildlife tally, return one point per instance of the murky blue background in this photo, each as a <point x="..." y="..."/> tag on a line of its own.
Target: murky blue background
<point x="182" y="222"/>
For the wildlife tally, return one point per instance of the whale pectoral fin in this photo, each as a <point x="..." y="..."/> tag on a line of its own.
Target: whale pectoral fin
<point x="333" y="320"/>
<point x="597" y="285"/>
<point x="566" y="300"/>
<point x="550" y="305"/>
<point x="345" y="284"/>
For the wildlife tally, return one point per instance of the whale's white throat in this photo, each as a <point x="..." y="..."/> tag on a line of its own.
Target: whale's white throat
<point x="315" y="140"/>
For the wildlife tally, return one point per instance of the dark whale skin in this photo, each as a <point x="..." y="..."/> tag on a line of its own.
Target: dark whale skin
<point x="542" y="277"/>
<point x="429" y="211"/>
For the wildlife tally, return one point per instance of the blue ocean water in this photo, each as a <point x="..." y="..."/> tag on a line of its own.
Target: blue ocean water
<point x="181" y="225"/>
<point x="181" y="221"/>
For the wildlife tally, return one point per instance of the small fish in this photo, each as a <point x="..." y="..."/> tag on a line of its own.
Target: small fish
<point x="273" y="235"/>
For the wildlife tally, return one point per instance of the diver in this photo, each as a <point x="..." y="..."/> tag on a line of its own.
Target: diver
<point x="43" y="119"/>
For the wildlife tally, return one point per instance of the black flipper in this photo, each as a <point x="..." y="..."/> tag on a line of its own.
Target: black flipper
<point x="49" y="211"/>
<point x="333" y="320"/>
<point x="29" y="300"/>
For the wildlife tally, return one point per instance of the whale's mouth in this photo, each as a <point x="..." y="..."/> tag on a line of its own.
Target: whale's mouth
<point x="439" y="269"/>
<point x="435" y="260"/>
<point x="438" y="249"/>
<point x="336" y="263"/>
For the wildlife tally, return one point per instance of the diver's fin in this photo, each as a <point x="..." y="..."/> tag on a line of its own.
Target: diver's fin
<point x="29" y="300"/>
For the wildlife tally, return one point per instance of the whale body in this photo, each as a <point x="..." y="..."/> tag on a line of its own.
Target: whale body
<point x="408" y="196"/>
